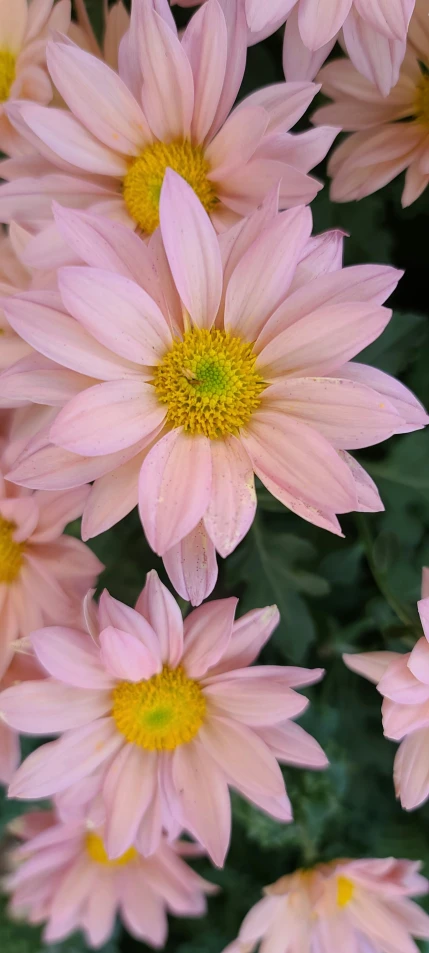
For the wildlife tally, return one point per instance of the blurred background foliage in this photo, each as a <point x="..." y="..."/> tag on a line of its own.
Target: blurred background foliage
<point x="334" y="595"/>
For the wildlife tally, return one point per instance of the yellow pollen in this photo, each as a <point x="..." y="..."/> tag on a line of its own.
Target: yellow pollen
<point x="345" y="891"/>
<point x="97" y="852"/>
<point x="421" y="105"/>
<point x="7" y="73"/>
<point x="10" y="552"/>
<point x="161" y="713"/>
<point x="209" y="382"/>
<point x="143" y="181"/>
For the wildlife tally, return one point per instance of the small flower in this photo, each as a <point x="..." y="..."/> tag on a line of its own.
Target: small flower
<point x="160" y="717"/>
<point x="24" y="31"/>
<point x="403" y="680"/>
<point x="80" y="888"/>
<point x="344" y="906"/>
<point x="389" y="135"/>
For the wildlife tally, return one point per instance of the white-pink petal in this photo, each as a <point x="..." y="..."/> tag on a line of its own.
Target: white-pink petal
<point x="162" y="612"/>
<point x="204" y="798"/>
<point x="71" y="656"/>
<point x="125" y="657"/>
<point x="232" y="505"/>
<point x="207" y="632"/>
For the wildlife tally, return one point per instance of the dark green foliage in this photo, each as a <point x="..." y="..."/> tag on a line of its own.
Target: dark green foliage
<point x="335" y="595"/>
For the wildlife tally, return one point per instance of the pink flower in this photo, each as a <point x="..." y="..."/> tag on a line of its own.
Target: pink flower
<point x="160" y="717"/>
<point x="24" y="31"/>
<point x="389" y="135"/>
<point x="403" y="680"/>
<point x="22" y="668"/>
<point x="342" y="907"/>
<point x="63" y="877"/>
<point x="168" y="107"/>
<point x="210" y="371"/>
<point x="43" y="574"/>
<point x="372" y="31"/>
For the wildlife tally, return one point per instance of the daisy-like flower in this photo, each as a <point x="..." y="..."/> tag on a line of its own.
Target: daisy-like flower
<point x="160" y="717"/>
<point x="23" y="667"/>
<point x="25" y="28"/>
<point x="347" y="906"/>
<point x="211" y="372"/>
<point x="62" y="877"/>
<point x="403" y="680"/>
<point x="389" y="135"/>
<point x="168" y="107"/>
<point x="44" y="574"/>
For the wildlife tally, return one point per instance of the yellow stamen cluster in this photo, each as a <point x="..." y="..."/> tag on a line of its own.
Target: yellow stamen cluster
<point x="345" y="891"/>
<point x="142" y="183"/>
<point x="209" y="383"/>
<point x="161" y="713"/>
<point x="97" y="852"/>
<point x="7" y="73"/>
<point x="422" y="101"/>
<point x="10" y="552"/>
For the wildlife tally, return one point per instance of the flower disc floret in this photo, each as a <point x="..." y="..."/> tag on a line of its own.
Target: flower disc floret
<point x="209" y="382"/>
<point x="142" y="183"/>
<point x="95" y="848"/>
<point x="7" y="73"/>
<point x="345" y="891"/>
<point x="161" y="713"/>
<point x="10" y="552"/>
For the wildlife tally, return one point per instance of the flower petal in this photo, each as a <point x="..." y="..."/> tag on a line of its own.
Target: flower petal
<point x="290" y="744"/>
<point x="204" y="798"/>
<point x="168" y="86"/>
<point x="411" y="770"/>
<point x="123" y="617"/>
<point x="70" y="656"/>
<point x="161" y="610"/>
<point x="125" y="657"/>
<point x="207" y="632"/>
<point x="263" y="701"/>
<point x="205" y="43"/>
<point x="249" y="635"/>
<point x="371" y="665"/>
<point x="127" y="790"/>
<point x="242" y="756"/>
<point x="48" y="707"/>
<point x="69" y="140"/>
<point x="191" y="565"/>
<point x="232" y="506"/>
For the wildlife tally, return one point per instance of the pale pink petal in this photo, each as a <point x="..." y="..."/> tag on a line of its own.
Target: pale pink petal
<point x="249" y="635"/>
<point x="237" y="33"/>
<point x="205" y="43"/>
<point x="142" y="910"/>
<point x="51" y="468"/>
<point x="13" y="22"/>
<point x="97" y="96"/>
<point x="411" y="770"/>
<point x="191" y="565"/>
<point x="128" y="788"/>
<point x="320" y="22"/>
<point x="207" y="632"/>
<point x="299" y="459"/>
<point x="125" y="657"/>
<point x="48" y="707"/>
<point x="397" y="394"/>
<point x="323" y="517"/>
<point x="375" y="56"/>
<point x="258" y="920"/>
<point x="107" y="418"/>
<point x="260" y="17"/>
<point x="71" y="657"/>
<point x="285" y="103"/>
<point x="387" y="16"/>
<point x="299" y="63"/>
<point x="161" y="610"/>
<point x="123" y="617"/>
<point x="290" y="744"/>
<point x="401" y="686"/>
<point x="98" y="918"/>
<point x="372" y="665"/>
<point x="232" y="506"/>
<point x="55" y="766"/>
<point x="236" y="142"/>
<point x="119" y="313"/>
<point x="111" y="498"/>
<point x="418" y="662"/>
<point x="167" y="510"/>
<point x="242" y="756"/>
<point x="150" y="831"/>
<point x="323" y="254"/>
<point x="65" y="136"/>
<point x="168" y="86"/>
<point x="9" y="753"/>
<point x="204" y="798"/>
<point x="56" y="510"/>
<point x="192" y="249"/>
<point x="423" y="607"/>
<point x="262" y="702"/>
<point x="261" y="279"/>
<point x="248" y="186"/>
<point x="402" y="720"/>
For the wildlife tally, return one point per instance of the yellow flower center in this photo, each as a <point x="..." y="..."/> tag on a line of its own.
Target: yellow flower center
<point x="421" y="106"/>
<point x="142" y="183"/>
<point x="345" y="891"/>
<point x="97" y="852"/>
<point x="161" y="713"/>
<point x="10" y="552"/>
<point x="209" y="383"/>
<point x="7" y="73"/>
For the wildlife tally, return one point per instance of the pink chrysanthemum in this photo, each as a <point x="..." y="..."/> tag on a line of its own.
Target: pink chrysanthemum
<point x="403" y="680"/>
<point x="248" y="371"/>
<point x="23" y="667"/>
<point x="168" y="107"/>
<point x="43" y="574"/>
<point x="347" y="906"/>
<point x="160" y="717"/>
<point x="389" y="135"/>
<point x="62" y="876"/>
<point x="24" y="31"/>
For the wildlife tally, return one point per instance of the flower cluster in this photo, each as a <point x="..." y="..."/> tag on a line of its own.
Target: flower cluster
<point x="170" y="329"/>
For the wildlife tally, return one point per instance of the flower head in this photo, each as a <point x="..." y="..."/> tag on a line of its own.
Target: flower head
<point x="160" y="717"/>
<point x="24" y="31"/>
<point x="81" y="888"/>
<point x="403" y="680"/>
<point x="168" y="107"/>
<point x="389" y="135"/>
<point x="342" y="906"/>
<point x="192" y="373"/>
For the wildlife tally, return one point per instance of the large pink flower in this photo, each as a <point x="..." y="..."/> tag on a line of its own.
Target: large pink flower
<point x="24" y="31"/>
<point x="63" y="877"/>
<point x="389" y="135"/>
<point x="403" y="680"/>
<point x="248" y="371"/>
<point x="160" y="717"/>
<point x="347" y="906"/>
<point x="168" y="107"/>
<point x="43" y="574"/>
